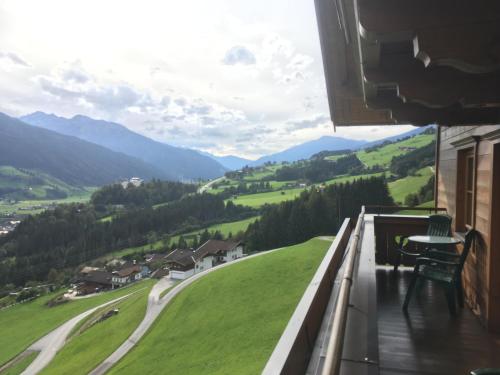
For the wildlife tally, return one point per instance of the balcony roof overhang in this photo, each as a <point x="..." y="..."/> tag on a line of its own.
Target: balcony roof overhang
<point x="411" y="62"/>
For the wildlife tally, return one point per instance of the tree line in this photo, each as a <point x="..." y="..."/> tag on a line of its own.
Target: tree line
<point x="71" y="234"/>
<point x="318" y="170"/>
<point x="316" y="212"/>
<point x="147" y="194"/>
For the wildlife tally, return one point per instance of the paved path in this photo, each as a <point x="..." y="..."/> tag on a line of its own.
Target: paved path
<point x="208" y="185"/>
<point x="155" y="307"/>
<point x="51" y="343"/>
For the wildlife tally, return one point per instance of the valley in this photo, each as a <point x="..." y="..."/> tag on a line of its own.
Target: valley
<point x="279" y="205"/>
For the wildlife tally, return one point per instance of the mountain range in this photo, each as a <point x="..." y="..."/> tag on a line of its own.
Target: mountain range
<point x="84" y="151"/>
<point x="74" y="161"/>
<point x="327" y="143"/>
<point x="175" y="163"/>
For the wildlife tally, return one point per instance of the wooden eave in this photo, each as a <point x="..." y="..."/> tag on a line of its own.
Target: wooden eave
<point x="411" y="62"/>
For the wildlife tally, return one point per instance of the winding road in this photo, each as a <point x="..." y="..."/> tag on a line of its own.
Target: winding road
<point x="51" y="343"/>
<point x="208" y="185"/>
<point x="155" y="307"/>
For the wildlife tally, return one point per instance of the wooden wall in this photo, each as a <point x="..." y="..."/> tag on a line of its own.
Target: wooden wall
<point x="482" y="270"/>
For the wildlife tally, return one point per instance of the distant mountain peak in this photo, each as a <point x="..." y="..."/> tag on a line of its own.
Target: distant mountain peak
<point x="176" y="163"/>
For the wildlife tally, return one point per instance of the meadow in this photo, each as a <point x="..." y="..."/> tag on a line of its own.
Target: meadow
<point x="87" y="350"/>
<point x="25" y="323"/>
<point x="231" y="318"/>
<point x="399" y="189"/>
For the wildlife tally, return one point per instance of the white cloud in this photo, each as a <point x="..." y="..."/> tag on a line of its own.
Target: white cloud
<point x="160" y="68"/>
<point x="13" y="58"/>
<point x="239" y="55"/>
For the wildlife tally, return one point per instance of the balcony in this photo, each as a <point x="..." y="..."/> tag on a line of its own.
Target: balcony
<point x="350" y="320"/>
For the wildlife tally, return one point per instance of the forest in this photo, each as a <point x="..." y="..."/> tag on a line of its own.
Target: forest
<point x="316" y="212"/>
<point x="71" y="234"/>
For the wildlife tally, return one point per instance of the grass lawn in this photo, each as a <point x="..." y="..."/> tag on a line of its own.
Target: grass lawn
<point x="399" y="189"/>
<point x="225" y="228"/>
<point x="260" y="199"/>
<point x="83" y="196"/>
<point x="25" y="323"/>
<point x="86" y="351"/>
<point x="158" y="245"/>
<point x="384" y="155"/>
<point x="343" y="179"/>
<point x="229" y="321"/>
<point x="20" y="366"/>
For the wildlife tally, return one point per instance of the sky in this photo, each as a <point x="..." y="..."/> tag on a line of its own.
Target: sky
<point x="224" y="76"/>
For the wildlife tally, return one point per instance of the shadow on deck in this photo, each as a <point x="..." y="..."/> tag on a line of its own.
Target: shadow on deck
<point x="428" y="340"/>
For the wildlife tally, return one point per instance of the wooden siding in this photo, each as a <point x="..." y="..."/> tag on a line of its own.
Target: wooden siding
<point x="482" y="270"/>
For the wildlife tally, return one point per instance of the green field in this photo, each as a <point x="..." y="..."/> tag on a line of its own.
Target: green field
<point x="20" y="366"/>
<point x="229" y="321"/>
<point x="273" y="197"/>
<point x="25" y="323"/>
<point x="31" y="183"/>
<point x="86" y="351"/>
<point x="384" y="155"/>
<point x="399" y="189"/>
<point x="155" y="246"/>
<point x="344" y="179"/>
<point x="25" y="207"/>
<point x="225" y="228"/>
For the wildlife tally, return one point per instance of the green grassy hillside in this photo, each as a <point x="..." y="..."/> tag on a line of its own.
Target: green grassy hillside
<point x="383" y="155"/>
<point x="21" y="184"/>
<point x="229" y="321"/>
<point x="87" y="350"/>
<point x="399" y="189"/>
<point x="272" y="197"/>
<point x="25" y="323"/>
<point x="35" y="206"/>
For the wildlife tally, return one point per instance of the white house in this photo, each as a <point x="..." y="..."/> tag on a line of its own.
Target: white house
<point x="214" y="252"/>
<point x="183" y="263"/>
<point x="180" y="263"/>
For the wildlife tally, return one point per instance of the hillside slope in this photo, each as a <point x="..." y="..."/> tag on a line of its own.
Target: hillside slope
<point x="176" y="163"/>
<point x="69" y="159"/>
<point x="231" y="318"/>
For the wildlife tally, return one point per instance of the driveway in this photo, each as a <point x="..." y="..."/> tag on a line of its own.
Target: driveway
<point x="51" y="343"/>
<point x="155" y="307"/>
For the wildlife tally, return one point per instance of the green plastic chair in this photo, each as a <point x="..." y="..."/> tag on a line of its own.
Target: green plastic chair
<point x="439" y="225"/>
<point x="443" y="268"/>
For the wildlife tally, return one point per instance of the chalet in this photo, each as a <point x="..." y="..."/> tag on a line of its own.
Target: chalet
<point x="93" y="281"/>
<point x="129" y="273"/>
<point x="215" y="252"/>
<point x="184" y="263"/>
<point x="181" y="263"/>
<point x="413" y="62"/>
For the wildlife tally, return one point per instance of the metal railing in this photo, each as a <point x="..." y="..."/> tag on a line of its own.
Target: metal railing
<point x="379" y="210"/>
<point x="335" y="344"/>
<point x="294" y="349"/>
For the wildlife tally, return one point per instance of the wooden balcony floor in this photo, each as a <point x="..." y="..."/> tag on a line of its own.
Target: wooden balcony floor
<point x="428" y="340"/>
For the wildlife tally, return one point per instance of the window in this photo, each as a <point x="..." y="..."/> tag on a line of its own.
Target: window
<point x="469" y="189"/>
<point x="465" y="194"/>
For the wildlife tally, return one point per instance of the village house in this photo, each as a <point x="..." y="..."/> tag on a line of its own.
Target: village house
<point x="129" y="273"/>
<point x="184" y="263"/>
<point x="215" y="252"/>
<point x="181" y="263"/>
<point x="93" y="281"/>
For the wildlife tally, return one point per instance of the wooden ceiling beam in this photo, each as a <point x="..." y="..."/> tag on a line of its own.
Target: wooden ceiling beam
<point x="469" y="48"/>
<point x="419" y="115"/>
<point x="435" y="87"/>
